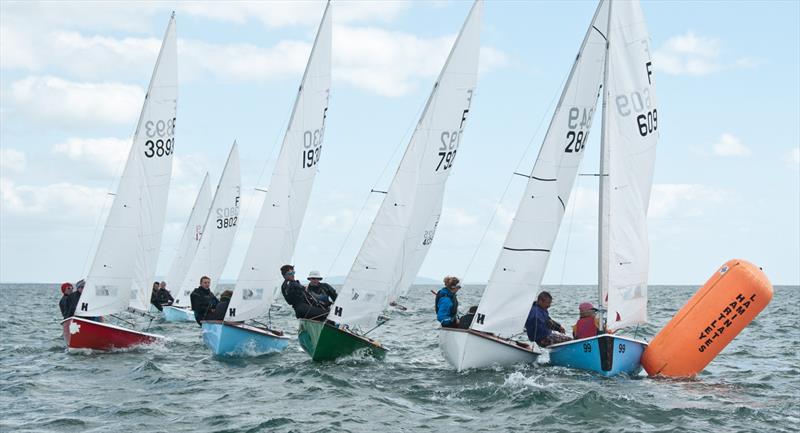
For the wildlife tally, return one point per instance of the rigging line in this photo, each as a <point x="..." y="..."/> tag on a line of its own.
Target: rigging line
<point x="569" y="227"/>
<point x="528" y="148"/>
<point x="404" y="139"/>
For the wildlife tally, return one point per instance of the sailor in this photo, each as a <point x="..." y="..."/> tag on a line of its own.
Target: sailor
<point x="588" y="325"/>
<point x="446" y="304"/>
<point x="74" y="298"/>
<point x="153" y="294"/>
<point x="203" y="301"/>
<point x="324" y="293"/>
<point x="539" y="326"/>
<point x="304" y="304"/>
<point x="63" y="304"/>
<point x="162" y="296"/>
<point x="222" y="307"/>
<point x="466" y="320"/>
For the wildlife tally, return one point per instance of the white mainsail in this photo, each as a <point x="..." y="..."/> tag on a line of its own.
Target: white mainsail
<point x="630" y="135"/>
<point x="191" y="237"/>
<point x="404" y="227"/>
<point x="219" y="230"/>
<point x="520" y="267"/>
<point x="281" y="216"/>
<point x="125" y="261"/>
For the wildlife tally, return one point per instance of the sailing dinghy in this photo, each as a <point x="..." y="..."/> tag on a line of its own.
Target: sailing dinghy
<point x="219" y="229"/>
<point x="187" y="247"/>
<point x="281" y="216"/>
<point x="517" y="275"/>
<point x="404" y="227"/>
<point x="124" y="264"/>
<point x="627" y="162"/>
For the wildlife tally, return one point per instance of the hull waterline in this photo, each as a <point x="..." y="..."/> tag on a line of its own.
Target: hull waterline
<point x="608" y="355"/>
<point x="325" y="342"/>
<point x="466" y="348"/>
<point x="80" y="333"/>
<point x="241" y="340"/>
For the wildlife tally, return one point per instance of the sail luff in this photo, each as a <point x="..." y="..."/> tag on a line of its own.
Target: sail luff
<point x="283" y="209"/>
<point x="521" y="263"/>
<point x="603" y="206"/>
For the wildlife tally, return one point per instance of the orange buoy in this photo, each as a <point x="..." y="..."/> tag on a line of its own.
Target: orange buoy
<point x="725" y="305"/>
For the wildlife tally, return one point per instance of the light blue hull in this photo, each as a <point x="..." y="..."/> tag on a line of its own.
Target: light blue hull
<point x="607" y="355"/>
<point x="240" y="340"/>
<point x="175" y="314"/>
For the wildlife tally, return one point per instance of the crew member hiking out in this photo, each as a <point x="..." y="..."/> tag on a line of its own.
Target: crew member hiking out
<point x="304" y="304"/>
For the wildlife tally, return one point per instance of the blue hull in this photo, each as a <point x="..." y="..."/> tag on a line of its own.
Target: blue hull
<point x="607" y="355"/>
<point x="174" y="314"/>
<point x="239" y="340"/>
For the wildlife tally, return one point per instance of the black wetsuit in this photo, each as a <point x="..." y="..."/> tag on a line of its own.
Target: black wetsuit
<point x="324" y="293"/>
<point x="219" y="311"/>
<point x="305" y="306"/>
<point x="63" y="304"/>
<point x="72" y="303"/>
<point x="161" y="298"/>
<point x="203" y="302"/>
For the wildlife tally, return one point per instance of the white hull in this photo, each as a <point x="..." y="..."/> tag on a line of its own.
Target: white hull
<point x="465" y="349"/>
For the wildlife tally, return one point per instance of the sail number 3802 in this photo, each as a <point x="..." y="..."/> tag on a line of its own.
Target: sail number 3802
<point x="160" y="138"/>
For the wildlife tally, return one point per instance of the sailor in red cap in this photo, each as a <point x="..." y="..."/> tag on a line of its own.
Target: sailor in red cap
<point x="63" y="304"/>
<point x="588" y="325"/>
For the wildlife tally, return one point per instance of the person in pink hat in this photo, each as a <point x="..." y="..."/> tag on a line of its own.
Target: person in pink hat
<point x="588" y="324"/>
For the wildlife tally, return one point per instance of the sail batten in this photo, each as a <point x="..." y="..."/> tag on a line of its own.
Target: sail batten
<point x="286" y="199"/>
<point x="125" y="261"/>
<point x="406" y="223"/>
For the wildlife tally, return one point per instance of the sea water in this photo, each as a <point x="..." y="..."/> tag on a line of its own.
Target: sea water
<point x="752" y="386"/>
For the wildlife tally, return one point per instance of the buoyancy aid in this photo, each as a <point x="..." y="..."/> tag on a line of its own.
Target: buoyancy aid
<point x="586" y="327"/>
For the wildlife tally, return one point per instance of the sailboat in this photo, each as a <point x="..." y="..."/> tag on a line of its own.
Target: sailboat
<point x="281" y="215"/>
<point x="219" y="229"/>
<point x="124" y="264"/>
<point x="187" y="247"/>
<point x="627" y="162"/>
<point x="517" y="274"/>
<point x="403" y="230"/>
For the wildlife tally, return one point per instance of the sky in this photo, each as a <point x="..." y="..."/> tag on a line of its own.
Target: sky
<point x="73" y="77"/>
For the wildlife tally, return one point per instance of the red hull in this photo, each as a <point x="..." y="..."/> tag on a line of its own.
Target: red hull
<point x="80" y="333"/>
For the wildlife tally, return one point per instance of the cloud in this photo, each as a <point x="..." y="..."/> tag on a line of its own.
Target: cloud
<point x="12" y="160"/>
<point x="55" y="101"/>
<point x="729" y="145"/>
<point x="683" y="200"/>
<point x="459" y="217"/>
<point x="108" y="155"/>
<point x="243" y="62"/>
<point x="60" y="202"/>
<point x="792" y="158"/>
<point x="691" y="54"/>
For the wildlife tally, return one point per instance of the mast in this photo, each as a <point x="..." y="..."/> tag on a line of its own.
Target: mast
<point x="602" y="233"/>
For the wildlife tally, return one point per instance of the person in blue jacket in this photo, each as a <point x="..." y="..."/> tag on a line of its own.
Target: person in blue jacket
<point x="446" y="303"/>
<point x="540" y="326"/>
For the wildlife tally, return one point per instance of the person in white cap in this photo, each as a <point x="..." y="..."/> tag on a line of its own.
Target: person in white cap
<point x="324" y="293"/>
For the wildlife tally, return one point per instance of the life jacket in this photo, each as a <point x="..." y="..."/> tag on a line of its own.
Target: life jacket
<point x="444" y="292"/>
<point x="586" y="327"/>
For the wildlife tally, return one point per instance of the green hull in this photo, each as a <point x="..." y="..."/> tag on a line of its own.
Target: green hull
<point x="324" y="342"/>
